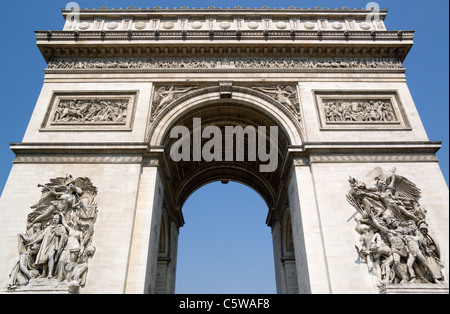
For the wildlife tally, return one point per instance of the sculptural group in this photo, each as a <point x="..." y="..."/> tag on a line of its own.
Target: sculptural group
<point x="394" y="236"/>
<point x="56" y="247"/>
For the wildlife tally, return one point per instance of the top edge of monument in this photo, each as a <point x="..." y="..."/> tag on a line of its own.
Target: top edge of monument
<point x="230" y="10"/>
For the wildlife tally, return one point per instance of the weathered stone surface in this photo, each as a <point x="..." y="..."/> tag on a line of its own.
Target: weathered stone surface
<point x="134" y="74"/>
<point x="414" y="289"/>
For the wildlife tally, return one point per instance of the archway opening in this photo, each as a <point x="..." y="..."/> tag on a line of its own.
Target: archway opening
<point x="186" y="177"/>
<point x="225" y="245"/>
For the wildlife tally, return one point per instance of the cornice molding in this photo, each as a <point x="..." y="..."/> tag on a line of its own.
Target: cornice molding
<point x="325" y="44"/>
<point x="374" y="157"/>
<point x="238" y="10"/>
<point x="242" y="35"/>
<point x="299" y="155"/>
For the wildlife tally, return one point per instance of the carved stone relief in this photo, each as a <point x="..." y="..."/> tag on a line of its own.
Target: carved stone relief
<point x="285" y="95"/>
<point x="165" y="95"/>
<point x="394" y="237"/>
<point x="219" y="63"/>
<point x="86" y="110"/>
<point x="360" y="110"/>
<point x="284" y="98"/>
<point x="55" y="249"/>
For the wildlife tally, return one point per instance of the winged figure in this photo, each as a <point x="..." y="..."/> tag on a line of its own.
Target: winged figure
<point x="59" y="234"/>
<point x="285" y="96"/>
<point x="164" y="97"/>
<point x="66" y="195"/>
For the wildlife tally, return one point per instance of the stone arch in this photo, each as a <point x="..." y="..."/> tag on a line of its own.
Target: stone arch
<point x="288" y="261"/>
<point x="287" y="120"/>
<point x="164" y="244"/>
<point x="245" y="107"/>
<point x="288" y="240"/>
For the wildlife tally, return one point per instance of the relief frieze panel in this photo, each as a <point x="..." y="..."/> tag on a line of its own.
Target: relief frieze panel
<point x="87" y="111"/>
<point x="353" y="110"/>
<point x="359" y="111"/>
<point x="243" y="64"/>
<point x="90" y="110"/>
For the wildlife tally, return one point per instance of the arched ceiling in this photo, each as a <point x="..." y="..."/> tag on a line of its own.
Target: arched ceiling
<point x="188" y="176"/>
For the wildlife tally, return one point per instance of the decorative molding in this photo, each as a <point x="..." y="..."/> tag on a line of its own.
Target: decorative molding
<point x="90" y="111"/>
<point x="422" y="289"/>
<point x="78" y="159"/>
<point x="313" y="34"/>
<point x="151" y="161"/>
<point x="241" y="22"/>
<point x="301" y="161"/>
<point x="366" y="158"/>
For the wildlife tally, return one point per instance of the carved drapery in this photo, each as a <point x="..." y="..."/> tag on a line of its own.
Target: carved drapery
<point x="55" y="249"/>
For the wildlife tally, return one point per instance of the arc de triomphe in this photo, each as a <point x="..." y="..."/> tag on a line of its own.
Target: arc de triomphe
<point x="94" y="200"/>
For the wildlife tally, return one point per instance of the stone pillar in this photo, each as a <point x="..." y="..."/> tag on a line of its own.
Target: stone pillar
<point x="312" y="268"/>
<point x="167" y="257"/>
<point x="277" y="254"/>
<point x="285" y="265"/>
<point x="173" y="257"/>
<point x="143" y="260"/>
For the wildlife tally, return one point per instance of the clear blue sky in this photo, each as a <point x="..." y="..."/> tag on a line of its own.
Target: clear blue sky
<point x="225" y="245"/>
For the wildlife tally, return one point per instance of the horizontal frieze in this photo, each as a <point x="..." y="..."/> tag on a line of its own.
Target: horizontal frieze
<point x="239" y="22"/>
<point x="313" y="158"/>
<point x="78" y="159"/>
<point x="224" y="64"/>
<point x="364" y="158"/>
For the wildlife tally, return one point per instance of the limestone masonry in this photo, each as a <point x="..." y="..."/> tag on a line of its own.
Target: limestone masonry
<point x="93" y="204"/>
